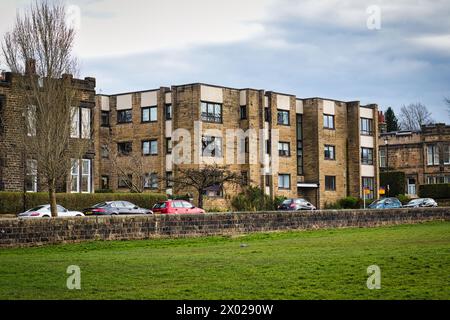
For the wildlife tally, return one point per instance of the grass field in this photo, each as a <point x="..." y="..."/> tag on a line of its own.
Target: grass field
<point x="325" y="264"/>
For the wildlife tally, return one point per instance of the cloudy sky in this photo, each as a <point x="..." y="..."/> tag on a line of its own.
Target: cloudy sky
<point x="306" y="47"/>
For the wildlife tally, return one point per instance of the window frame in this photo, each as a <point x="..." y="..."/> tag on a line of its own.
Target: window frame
<point x="149" y="109"/>
<point x="369" y="160"/>
<point x="106" y="124"/>
<point x="284" y="175"/>
<point x="168" y="115"/>
<point x="209" y="141"/>
<point x="150" y="143"/>
<point x="370" y="130"/>
<point x="282" y="151"/>
<point x="243" y="112"/>
<point x="280" y="111"/>
<point x="128" y="112"/>
<point x="326" y="149"/>
<point x="327" y="122"/>
<point x="211" y="117"/>
<point x="32" y="174"/>
<point x="370" y="196"/>
<point x="434" y="159"/>
<point x="333" y="185"/>
<point x="120" y="153"/>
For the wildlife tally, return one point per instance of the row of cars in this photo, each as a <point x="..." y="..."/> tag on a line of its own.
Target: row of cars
<point x="385" y="203"/>
<point x="185" y="207"/>
<point x="115" y="208"/>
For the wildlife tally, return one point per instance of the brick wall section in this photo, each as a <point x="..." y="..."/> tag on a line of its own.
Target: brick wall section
<point x="16" y="233"/>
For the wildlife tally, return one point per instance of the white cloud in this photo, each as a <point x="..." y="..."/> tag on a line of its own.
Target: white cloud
<point x="438" y="43"/>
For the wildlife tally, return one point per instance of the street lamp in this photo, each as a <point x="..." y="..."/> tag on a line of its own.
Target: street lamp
<point x="386" y="143"/>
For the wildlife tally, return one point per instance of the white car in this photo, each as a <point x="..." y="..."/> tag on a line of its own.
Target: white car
<point x="44" y="212"/>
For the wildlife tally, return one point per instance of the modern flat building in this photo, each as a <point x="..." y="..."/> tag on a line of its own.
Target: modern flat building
<point x="424" y="156"/>
<point x="18" y="170"/>
<point x="316" y="148"/>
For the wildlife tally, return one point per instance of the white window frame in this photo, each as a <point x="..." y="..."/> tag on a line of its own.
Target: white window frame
<point x="75" y="175"/>
<point x="85" y="123"/>
<point x="32" y="171"/>
<point x="31" y="121"/>
<point x="282" y="178"/>
<point x="88" y="175"/>
<point x="447" y="154"/>
<point x="432" y="155"/>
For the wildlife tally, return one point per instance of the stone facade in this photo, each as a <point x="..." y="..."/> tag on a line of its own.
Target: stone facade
<point x="33" y="232"/>
<point x="13" y="111"/>
<point x="424" y="156"/>
<point x="303" y="169"/>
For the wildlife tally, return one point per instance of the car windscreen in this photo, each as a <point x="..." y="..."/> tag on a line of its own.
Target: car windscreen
<point x="416" y="201"/>
<point x="159" y="205"/>
<point x="375" y="203"/>
<point x="286" y="202"/>
<point x="99" y="205"/>
<point x="36" y="208"/>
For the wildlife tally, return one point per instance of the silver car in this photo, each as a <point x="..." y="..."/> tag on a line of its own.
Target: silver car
<point x="419" y="203"/>
<point x="44" y="211"/>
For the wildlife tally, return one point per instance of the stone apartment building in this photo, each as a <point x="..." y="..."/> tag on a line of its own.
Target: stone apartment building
<point x="18" y="171"/>
<point x="315" y="148"/>
<point x="424" y="156"/>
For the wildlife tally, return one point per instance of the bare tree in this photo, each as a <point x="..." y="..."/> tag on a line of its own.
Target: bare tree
<point x="414" y="116"/>
<point x="200" y="179"/>
<point x="38" y="51"/>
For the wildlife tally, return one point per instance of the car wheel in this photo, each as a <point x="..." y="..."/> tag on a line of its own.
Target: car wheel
<point x="78" y="215"/>
<point x="115" y="214"/>
<point x="45" y="216"/>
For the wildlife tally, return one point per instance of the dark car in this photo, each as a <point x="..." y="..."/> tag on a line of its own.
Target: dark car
<point x="115" y="208"/>
<point x="418" y="203"/>
<point x="386" y="203"/>
<point x="296" y="204"/>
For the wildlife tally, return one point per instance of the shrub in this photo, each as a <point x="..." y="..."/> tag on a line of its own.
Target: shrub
<point x="396" y="181"/>
<point x="14" y="202"/>
<point x="435" y="191"/>
<point x="254" y="199"/>
<point x="103" y="191"/>
<point x="404" y="199"/>
<point x="350" y="203"/>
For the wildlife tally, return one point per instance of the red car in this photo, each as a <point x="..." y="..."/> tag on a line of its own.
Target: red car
<point x="176" y="207"/>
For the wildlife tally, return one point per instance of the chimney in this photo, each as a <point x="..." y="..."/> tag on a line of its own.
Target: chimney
<point x="382" y="128"/>
<point x="30" y="66"/>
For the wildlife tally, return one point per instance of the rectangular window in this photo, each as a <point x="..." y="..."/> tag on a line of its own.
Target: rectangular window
<point x="268" y="146"/>
<point x="283" y="117"/>
<point x="74" y="172"/>
<point x="432" y="155"/>
<point x="211" y="112"/>
<point x="105" y="119"/>
<point x="211" y="146"/>
<point x="299" y="119"/>
<point x="329" y="152"/>
<point x="366" y="126"/>
<point x="105" y="182"/>
<point x="124" y="116"/>
<point x="151" y="181"/>
<point x="447" y="154"/>
<point x="328" y="121"/>
<point x="150" y="147"/>
<point x="330" y="183"/>
<point x="244" y="178"/>
<point x="124" y="181"/>
<point x="244" y="145"/>
<point x="243" y="112"/>
<point x="284" y="181"/>
<point x="85" y="176"/>
<point x="75" y="123"/>
<point x="268" y="179"/>
<point x="383" y="158"/>
<point x="367" y="156"/>
<point x="168" y="111"/>
<point x="85" y="123"/>
<point x="266" y="115"/>
<point x="284" y="149"/>
<point x="31" y="176"/>
<point x="369" y="183"/>
<point x="169" y="179"/>
<point x="149" y="114"/>
<point x="168" y="145"/>
<point x="124" y="148"/>
<point x="105" y="151"/>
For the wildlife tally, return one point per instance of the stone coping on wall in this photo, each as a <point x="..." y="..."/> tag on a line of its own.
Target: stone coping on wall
<point x="35" y="232"/>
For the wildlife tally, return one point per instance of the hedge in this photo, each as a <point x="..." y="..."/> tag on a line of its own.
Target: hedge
<point x="396" y="181"/>
<point x="435" y="191"/>
<point x="13" y="202"/>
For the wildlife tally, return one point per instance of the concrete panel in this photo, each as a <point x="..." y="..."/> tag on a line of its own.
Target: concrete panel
<point x="211" y="94"/>
<point x="299" y="106"/>
<point x="283" y="102"/>
<point x="367" y="141"/>
<point x="149" y="99"/>
<point x="328" y="107"/>
<point x="367" y="171"/>
<point x="124" y="102"/>
<point x="168" y="128"/>
<point x="366" y="113"/>
<point x="104" y="102"/>
<point x="243" y="98"/>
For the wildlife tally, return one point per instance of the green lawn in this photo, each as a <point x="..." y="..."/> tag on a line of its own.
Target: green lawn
<point x="325" y="264"/>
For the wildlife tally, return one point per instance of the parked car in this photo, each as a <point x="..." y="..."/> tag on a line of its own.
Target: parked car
<point x="176" y="207"/>
<point x="295" y="205"/>
<point x="115" y="208"/>
<point x="44" y="211"/>
<point x="423" y="202"/>
<point x="386" y="203"/>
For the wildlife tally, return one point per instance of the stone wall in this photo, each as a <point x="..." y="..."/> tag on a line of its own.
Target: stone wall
<point x="15" y="232"/>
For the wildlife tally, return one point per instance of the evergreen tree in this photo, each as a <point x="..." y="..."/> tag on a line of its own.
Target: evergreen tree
<point x="391" y="120"/>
